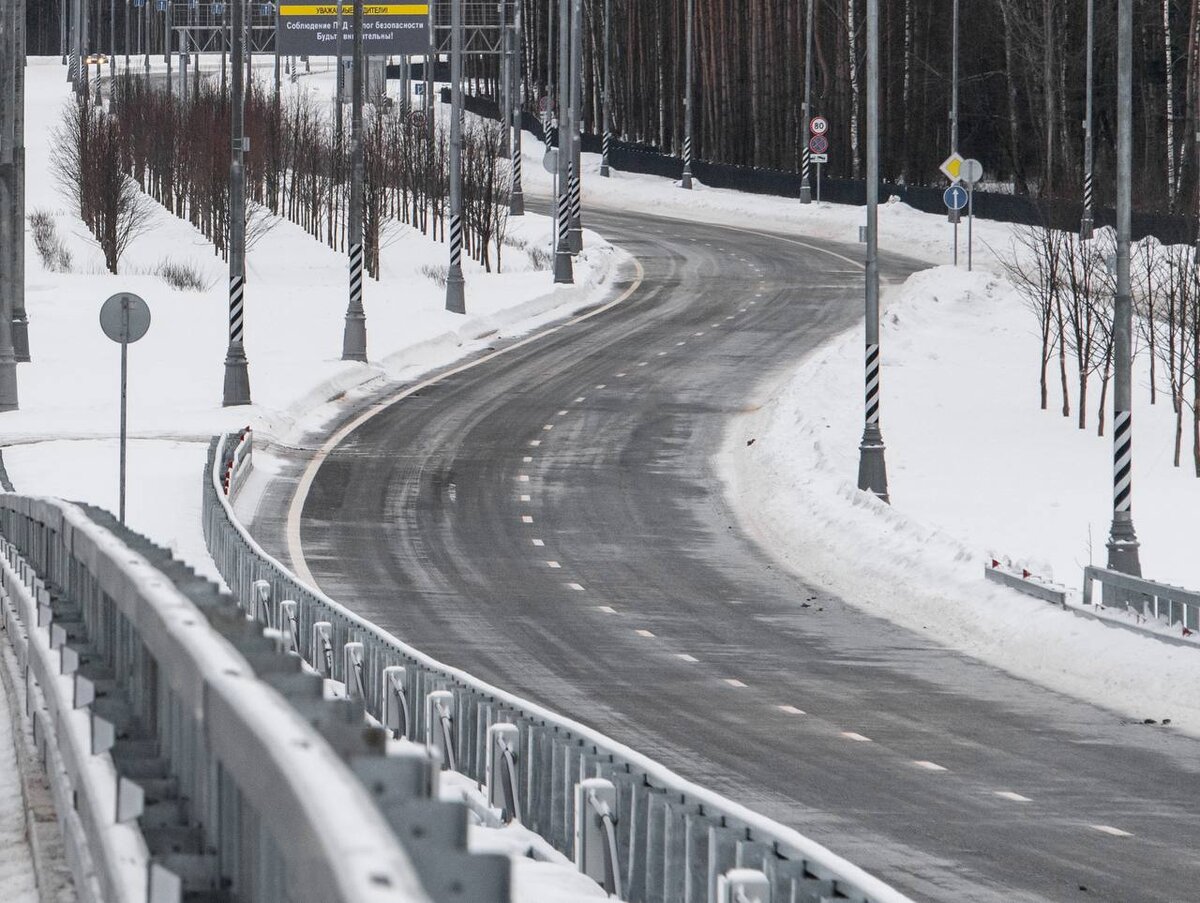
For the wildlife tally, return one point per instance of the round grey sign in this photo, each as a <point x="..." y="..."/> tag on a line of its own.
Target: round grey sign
<point x="550" y="160"/>
<point x="971" y="172"/>
<point x="125" y="317"/>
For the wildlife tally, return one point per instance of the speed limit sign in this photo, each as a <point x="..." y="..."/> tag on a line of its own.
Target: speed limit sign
<point x="819" y="125"/>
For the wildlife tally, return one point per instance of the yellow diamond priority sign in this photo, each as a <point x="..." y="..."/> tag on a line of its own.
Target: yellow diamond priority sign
<point x="952" y="167"/>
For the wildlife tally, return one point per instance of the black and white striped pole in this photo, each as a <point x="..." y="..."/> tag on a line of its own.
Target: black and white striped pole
<point x="354" y="334"/>
<point x="688" y="78"/>
<point x="11" y="218"/>
<point x="20" y="322"/>
<point x="564" y="271"/>
<point x="516" y="199"/>
<point x="456" y="301"/>
<point x="606" y="96"/>
<point x="1122" y="540"/>
<point x="237" y="376"/>
<point x="805" y="153"/>
<point x="575" y="141"/>
<point x="872" y="468"/>
<point x="1088" y="224"/>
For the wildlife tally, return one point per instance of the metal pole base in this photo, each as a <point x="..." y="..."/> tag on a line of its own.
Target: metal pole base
<point x="604" y="170"/>
<point x="516" y="203"/>
<point x="575" y="239"/>
<point x="20" y="338"/>
<point x="456" y="299"/>
<point x="237" y="378"/>
<point x="686" y="181"/>
<point x="872" y="468"/>
<point x="354" y="338"/>
<point x="8" y="385"/>
<point x="806" y="194"/>
<point x="1087" y="228"/>
<point x="1123" y="548"/>
<point x="564" y="271"/>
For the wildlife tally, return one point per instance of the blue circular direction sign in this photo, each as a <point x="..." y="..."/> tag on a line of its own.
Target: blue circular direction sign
<point x="955" y="197"/>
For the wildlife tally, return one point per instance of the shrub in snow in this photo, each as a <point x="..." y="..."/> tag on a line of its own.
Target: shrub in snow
<point x="50" y="246"/>
<point x="436" y="272"/>
<point x="187" y="277"/>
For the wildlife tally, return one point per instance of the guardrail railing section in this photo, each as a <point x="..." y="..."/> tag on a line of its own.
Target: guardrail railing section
<point x="1169" y="606"/>
<point x="640" y="831"/>
<point x="204" y="731"/>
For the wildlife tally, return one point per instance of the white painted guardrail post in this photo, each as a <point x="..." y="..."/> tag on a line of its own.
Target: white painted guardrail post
<point x="289" y="627"/>
<point x="322" y="633"/>
<point x="352" y="671"/>
<point x="439" y="726"/>
<point x="595" y="833"/>
<point x="395" y="716"/>
<point x="260" y="604"/>
<point x="503" y="743"/>
<point x="743" y="886"/>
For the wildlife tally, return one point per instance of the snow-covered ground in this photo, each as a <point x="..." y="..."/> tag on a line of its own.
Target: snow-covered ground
<point x="18" y="883"/>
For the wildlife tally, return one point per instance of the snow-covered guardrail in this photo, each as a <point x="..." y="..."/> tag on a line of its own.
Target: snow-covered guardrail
<point x="1170" y="606"/>
<point x="1024" y="582"/>
<point x="189" y="756"/>
<point x="636" y="827"/>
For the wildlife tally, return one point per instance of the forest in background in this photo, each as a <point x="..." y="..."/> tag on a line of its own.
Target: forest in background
<point x="1021" y="96"/>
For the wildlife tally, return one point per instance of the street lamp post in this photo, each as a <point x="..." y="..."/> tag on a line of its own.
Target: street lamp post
<point x="872" y="468"/>
<point x="805" y="153"/>
<point x="575" y="117"/>
<point x="20" y="322"/>
<point x="10" y="216"/>
<point x="1087" y="226"/>
<point x="563" y="268"/>
<point x="237" y="376"/>
<point x="455" y="288"/>
<point x="606" y="97"/>
<point x="1122" y="540"/>
<point x="689" y="78"/>
<point x="354" y="335"/>
<point x="516" y="202"/>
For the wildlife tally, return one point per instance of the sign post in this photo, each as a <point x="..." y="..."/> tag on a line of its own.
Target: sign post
<point x="125" y="318"/>
<point x="389" y="29"/>
<point x="972" y="172"/>
<point x="818" y="146"/>
<point x="952" y="169"/>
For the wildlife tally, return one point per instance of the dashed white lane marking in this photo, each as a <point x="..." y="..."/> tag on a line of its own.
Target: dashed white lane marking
<point x="643" y="633"/>
<point x="730" y="317"/>
<point x="715" y="326"/>
<point x="1009" y="795"/>
<point x="928" y="766"/>
<point x="685" y="657"/>
<point x="535" y="442"/>
<point x="858" y="738"/>
<point x="736" y="602"/>
<point x="790" y="709"/>
<point x="528" y="459"/>
<point x="523" y="478"/>
<point x="741" y="310"/>
<point x="562" y="413"/>
<point x="538" y="542"/>
<point x="601" y="386"/>
<point x="662" y="354"/>
<point x="680" y="344"/>
<point x="527" y="518"/>
<point x="581" y="399"/>
<point x="619" y="375"/>
<point x="734" y="682"/>
<point x="607" y="609"/>
<point x="548" y="426"/>
<point x="525" y="498"/>
<point x="697" y="333"/>
<point x="1109" y="829"/>
<point x="642" y="363"/>
<point x="553" y="564"/>
<point x="575" y="586"/>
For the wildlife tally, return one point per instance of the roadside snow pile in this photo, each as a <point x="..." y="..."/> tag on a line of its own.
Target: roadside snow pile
<point x="976" y="471"/>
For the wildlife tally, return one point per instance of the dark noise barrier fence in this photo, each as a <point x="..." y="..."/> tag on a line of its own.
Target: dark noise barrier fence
<point x="1005" y="208"/>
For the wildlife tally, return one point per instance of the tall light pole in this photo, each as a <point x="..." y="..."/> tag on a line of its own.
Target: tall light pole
<point x="954" y="217"/>
<point x="11" y="219"/>
<point x="1087" y="226"/>
<point x="112" y="42"/>
<point x="237" y="376"/>
<point x="805" y="153"/>
<point x="689" y="77"/>
<point x="455" y="290"/>
<point x="128" y="6"/>
<point x="606" y="97"/>
<point x="575" y="143"/>
<point x="1122" y="540"/>
<point x="872" y="468"/>
<point x="20" y="325"/>
<point x="516" y="198"/>
<point x="503" y="106"/>
<point x="354" y="335"/>
<point x="564" y="270"/>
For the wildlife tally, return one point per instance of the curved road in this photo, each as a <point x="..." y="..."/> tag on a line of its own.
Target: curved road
<point x="552" y="521"/>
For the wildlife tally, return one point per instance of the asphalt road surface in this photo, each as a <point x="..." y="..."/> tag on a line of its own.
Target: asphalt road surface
<point x="551" y="520"/>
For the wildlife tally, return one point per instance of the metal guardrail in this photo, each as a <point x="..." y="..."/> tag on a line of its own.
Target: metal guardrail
<point x="1171" y="606"/>
<point x="1023" y="583"/>
<point x="639" y="829"/>
<point x="189" y="758"/>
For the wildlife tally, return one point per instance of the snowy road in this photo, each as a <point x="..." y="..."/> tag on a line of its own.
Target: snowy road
<point x="552" y="520"/>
